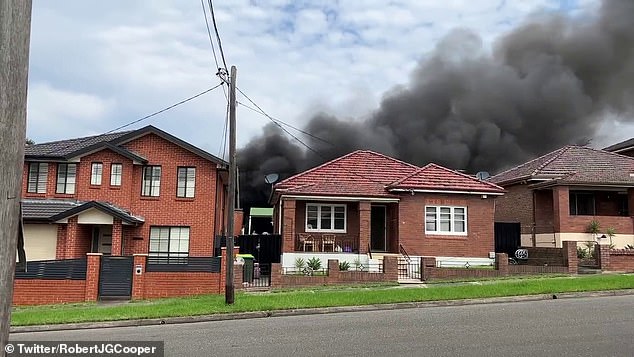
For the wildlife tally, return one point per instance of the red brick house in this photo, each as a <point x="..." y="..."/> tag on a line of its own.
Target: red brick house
<point x="555" y="197"/>
<point x="366" y="202"/>
<point x="141" y="191"/>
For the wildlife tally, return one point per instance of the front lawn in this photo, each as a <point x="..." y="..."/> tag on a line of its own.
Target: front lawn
<point x="214" y="304"/>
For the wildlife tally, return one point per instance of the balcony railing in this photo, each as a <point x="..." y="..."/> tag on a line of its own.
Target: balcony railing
<point x="333" y="243"/>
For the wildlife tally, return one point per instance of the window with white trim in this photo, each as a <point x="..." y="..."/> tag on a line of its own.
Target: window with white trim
<point x="116" y="171"/>
<point x="96" y="172"/>
<point x="186" y="182"/>
<point x="325" y="218"/>
<point x="38" y="174"/>
<point x="151" y="181"/>
<point x="448" y="220"/>
<point x="169" y="242"/>
<point x="66" y="175"/>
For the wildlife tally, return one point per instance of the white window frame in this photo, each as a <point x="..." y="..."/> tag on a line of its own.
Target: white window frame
<point x="38" y="177"/>
<point x="96" y="173"/>
<point x="332" y="218"/>
<point x="452" y="231"/>
<point x="66" y="181"/>
<point x="186" y="188"/>
<point x="170" y="238"/>
<point x="151" y="186"/>
<point x="116" y="177"/>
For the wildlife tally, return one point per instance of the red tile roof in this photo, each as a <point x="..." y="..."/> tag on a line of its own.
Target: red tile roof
<point x="370" y="174"/>
<point x="574" y="165"/>
<point x="437" y="178"/>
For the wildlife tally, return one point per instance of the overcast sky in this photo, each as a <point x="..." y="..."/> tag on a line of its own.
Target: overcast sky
<point x="96" y="65"/>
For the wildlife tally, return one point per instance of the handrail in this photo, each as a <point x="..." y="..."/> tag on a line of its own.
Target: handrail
<point x="369" y="251"/>
<point x="404" y="252"/>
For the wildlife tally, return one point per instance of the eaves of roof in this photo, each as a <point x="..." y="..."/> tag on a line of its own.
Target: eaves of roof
<point x="123" y="216"/>
<point x="171" y="138"/>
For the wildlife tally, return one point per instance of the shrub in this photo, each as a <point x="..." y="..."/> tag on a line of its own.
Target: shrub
<point x="300" y="264"/>
<point x="314" y="263"/>
<point x="343" y="266"/>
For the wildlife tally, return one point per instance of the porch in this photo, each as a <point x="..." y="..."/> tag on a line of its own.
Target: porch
<point x="343" y="226"/>
<point x="566" y="213"/>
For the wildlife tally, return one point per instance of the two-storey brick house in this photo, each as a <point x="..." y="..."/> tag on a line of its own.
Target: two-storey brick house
<point x="140" y="191"/>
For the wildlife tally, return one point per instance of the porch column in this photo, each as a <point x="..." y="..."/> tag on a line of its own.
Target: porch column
<point x="365" y="210"/>
<point x="630" y="202"/>
<point x="561" y="208"/>
<point x="117" y="237"/>
<point x="73" y="236"/>
<point x="288" y="227"/>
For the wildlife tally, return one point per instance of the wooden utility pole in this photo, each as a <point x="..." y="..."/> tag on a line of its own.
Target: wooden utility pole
<point x="231" y="195"/>
<point x="15" y="32"/>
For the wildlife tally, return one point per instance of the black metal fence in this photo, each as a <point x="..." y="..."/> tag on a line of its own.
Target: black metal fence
<point x="183" y="264"/>
<point x="259" y="277"/>
<point x="73" y="269"/>
<point x="265" y="248"/>
<point x="409" y="269"/>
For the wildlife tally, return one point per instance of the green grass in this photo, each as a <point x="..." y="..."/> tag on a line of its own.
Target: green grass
<point x="214" y="304"/>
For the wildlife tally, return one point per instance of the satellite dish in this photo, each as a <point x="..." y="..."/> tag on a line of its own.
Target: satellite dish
<point x="482" y="175"/>
<point x="271" y="178"/>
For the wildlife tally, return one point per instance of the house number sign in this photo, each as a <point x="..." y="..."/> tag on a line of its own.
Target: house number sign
<point x="521" y="254"/>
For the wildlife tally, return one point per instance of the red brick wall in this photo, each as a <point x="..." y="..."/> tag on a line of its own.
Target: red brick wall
<point x="516" y="205"/>
<point x="50" y="291"/>
<point x="544" y="221"/>
<point x="170" y="284"/>
<point x="167" y="210"/>
<point x="615" y="259"/>
<point x="122" y="195"/>
<point x="43" y="292"/>
<point x="477" y="243"/>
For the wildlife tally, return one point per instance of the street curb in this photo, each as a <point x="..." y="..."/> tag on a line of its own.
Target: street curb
<point x="313" y="311"/>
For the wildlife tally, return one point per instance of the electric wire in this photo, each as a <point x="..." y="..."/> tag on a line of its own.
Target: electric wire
<point x="319" y="154"/>
<point x="137" y="120"/>
<point x="213" y="20"/>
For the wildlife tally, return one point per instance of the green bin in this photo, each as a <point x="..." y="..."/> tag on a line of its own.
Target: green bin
<point x="247" y="272"/>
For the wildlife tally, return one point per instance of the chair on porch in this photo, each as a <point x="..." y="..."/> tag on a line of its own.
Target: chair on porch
<point x="327" y="239"/>
<point x="306" y="239"/>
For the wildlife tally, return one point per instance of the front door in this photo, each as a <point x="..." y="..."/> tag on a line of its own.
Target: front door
<point x="102" y="240"/>
<point x="378" y="236"/>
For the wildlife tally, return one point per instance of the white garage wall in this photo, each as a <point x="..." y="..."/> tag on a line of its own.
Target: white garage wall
<point x="40" y="241"/>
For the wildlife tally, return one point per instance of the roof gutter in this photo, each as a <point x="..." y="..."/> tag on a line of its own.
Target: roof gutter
<point x="444" y="191"/>
<point x="340" y="198"/>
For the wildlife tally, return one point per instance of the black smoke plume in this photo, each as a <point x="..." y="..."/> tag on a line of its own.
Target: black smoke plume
<point x="548" y="83"/>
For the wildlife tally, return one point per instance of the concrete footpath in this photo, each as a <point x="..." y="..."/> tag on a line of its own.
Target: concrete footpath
<point x="312" y="311"/>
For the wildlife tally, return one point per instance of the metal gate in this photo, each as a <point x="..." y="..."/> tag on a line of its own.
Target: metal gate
<point x="507" y="237"/>
<point x="115" y="277"/>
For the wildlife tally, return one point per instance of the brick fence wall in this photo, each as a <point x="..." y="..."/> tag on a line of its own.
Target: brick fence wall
<point x="615" y="259"/>
<point x="334" y="275"/>
<point x="56" y="291"/>
<point x="566" y="257"/>
<point x="146" y="285"/>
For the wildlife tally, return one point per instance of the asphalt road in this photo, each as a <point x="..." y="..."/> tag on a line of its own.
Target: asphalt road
<point x="565" y="327"/>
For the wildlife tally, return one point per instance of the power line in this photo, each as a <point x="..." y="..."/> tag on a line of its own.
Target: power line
<point x="287" y="124"/>
<point x="211" y="42"/>
<point x="213" y="19"/>
<point x="276" y="122"/>
<point x="213" y="48"/>
<point x="166" y="109"/>
<point x="140" y="119"/>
